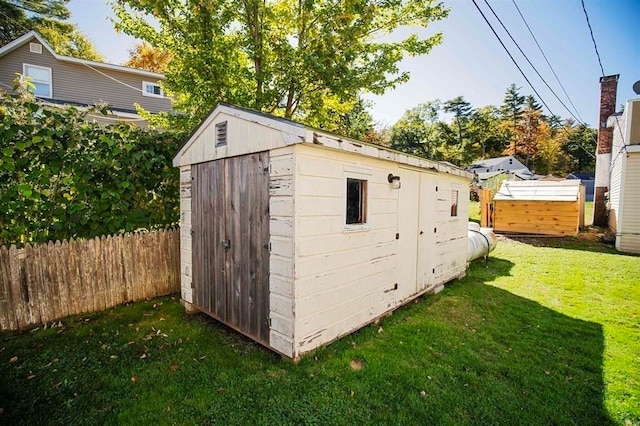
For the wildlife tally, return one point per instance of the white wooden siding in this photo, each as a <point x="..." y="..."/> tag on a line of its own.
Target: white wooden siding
<point x="629" y="228"/>
<point x="615" y="174"/>
<point x="186" y="261"/>
<point x="281" y="267"/>
<point x="345" y="278"/>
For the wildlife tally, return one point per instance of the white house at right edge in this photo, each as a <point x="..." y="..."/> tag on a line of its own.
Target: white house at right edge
<point x="617" y="192"/>
<point x="624" y="184"/>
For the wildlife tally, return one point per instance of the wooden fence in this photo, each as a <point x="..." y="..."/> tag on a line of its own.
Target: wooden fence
<point x="45" y="282"/>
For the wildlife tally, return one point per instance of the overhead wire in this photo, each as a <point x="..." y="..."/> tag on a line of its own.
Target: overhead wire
<point x="546" y="59"/>
<point x="522" y="72"/>
<point x="529" y="61"/>
<point x="615" y="116"/>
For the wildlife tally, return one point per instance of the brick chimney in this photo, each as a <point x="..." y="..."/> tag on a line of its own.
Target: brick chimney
<point x="608" y="91"/>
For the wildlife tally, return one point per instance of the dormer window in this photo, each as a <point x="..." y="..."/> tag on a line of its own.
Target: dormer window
<point x="41" y="78"/>
<point x="152" y="89"/>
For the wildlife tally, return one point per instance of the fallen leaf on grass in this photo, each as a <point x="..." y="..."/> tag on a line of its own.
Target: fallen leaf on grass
<point x="134" y="379"/>
<point x="547" y="372"/>
<point x="143" y="356"/>
<point x="380" y="330"/>
<point x="13" y="359"/>
<point x="174" y="367"/>
<point x="423" y="394"/>
<point x="356" y="364"/>
<point x="352" y="393"/>
<point x="113" y="356"/>
<point x="220" y="390"/>
<point x="31" y="377"/>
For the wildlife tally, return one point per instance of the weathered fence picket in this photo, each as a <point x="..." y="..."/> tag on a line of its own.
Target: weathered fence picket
<point x="45" y="282"/>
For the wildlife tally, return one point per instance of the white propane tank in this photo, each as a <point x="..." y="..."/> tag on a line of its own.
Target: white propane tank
<point x="480" y="241"/>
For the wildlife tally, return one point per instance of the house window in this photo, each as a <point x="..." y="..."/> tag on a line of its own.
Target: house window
<point x="40" y="78"/>
<point x="356" y="201"/>
<point x="454" y="203"/>
<point x="152" y="89"/>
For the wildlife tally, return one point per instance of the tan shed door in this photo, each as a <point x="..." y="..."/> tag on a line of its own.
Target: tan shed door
<point x="230" y="225"/>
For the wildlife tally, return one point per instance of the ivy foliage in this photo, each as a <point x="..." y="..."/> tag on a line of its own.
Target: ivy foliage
<point x="64" y="177"/>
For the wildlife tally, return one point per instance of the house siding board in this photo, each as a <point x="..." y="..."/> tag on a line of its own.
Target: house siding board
<point x="629" y="229"/>
<point x="615" y="175"/>
<point x="281" y="217"/>
<point x="186" y="264"/>
<point x="78" y="83"/>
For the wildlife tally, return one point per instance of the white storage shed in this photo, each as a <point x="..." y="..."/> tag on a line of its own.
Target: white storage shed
<point x="295" y="236"/>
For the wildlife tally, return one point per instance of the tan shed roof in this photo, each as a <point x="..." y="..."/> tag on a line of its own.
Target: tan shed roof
<point x="565" y="190"/>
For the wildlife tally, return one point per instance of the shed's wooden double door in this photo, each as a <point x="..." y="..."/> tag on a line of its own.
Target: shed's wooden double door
<point x="230" y="226"/>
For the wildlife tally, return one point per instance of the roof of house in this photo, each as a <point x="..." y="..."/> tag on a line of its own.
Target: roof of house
<point x="566" y="190"/>
<point x="91" y="64"/>
<point x="582" y="176"/>
<point x="489" y="175"/>
<point x="294" y="132"/>
<point x="488" y="162"/>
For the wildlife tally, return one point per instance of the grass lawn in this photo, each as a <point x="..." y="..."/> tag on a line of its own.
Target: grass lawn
<point x="548" y="332"/>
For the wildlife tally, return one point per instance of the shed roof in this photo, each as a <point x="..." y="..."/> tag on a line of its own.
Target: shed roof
<point x="294" y="133"/>
<point x="567" y="190"/>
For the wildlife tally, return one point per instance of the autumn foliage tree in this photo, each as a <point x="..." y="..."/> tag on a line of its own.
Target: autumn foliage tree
<point x="146" y="57"/>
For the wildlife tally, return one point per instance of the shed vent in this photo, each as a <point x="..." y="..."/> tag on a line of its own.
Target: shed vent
<point x="221" y="134"/>
<point x="35" y="48"/>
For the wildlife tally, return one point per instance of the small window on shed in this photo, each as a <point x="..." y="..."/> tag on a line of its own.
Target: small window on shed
<point x="356" y="201"/>
<point x="454" y="203"/>
<point x="221" y="134"/>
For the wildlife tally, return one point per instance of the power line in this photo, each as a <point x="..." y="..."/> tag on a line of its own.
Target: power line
<point x="530" y="63"/>
<point x="595" y="47"/>
<point x="547" y="60"/>
<point x="520" y="69"/>
<point x="586" y="15"/>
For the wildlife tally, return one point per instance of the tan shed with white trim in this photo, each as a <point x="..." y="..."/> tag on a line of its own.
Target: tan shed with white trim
<point x="295" y="237"/>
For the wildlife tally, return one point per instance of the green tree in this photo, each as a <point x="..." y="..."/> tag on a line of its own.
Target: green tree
<point x="19" y="16"/>
<point x="579" y="143"/>
<point x="511" y="111"/>
<point x="461" y="111"/>
<point x="292" y="58"/>
<point x="485" y="130"/>
<point x="416" y="131"/>
<point x="47" y="17"/>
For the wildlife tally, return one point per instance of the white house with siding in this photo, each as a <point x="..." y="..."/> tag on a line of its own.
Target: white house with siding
<point x="295" y="236"/>
<point x="624" y="183"/>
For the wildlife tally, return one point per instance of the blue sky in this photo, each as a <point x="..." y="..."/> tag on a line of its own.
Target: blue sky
<point x="471" y="63"/>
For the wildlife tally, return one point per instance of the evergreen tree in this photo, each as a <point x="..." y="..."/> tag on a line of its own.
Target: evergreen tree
<point x="511" y="111"/>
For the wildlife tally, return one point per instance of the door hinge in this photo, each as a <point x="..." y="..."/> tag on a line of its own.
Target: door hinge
<point x="267" y="169"/>
<point x="435" y="230"/>
<point x="268" y="246"/>
<point x="397" y="235"/>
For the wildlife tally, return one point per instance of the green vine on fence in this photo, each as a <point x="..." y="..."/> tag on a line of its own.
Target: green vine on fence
<point x="62" y="176"/>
